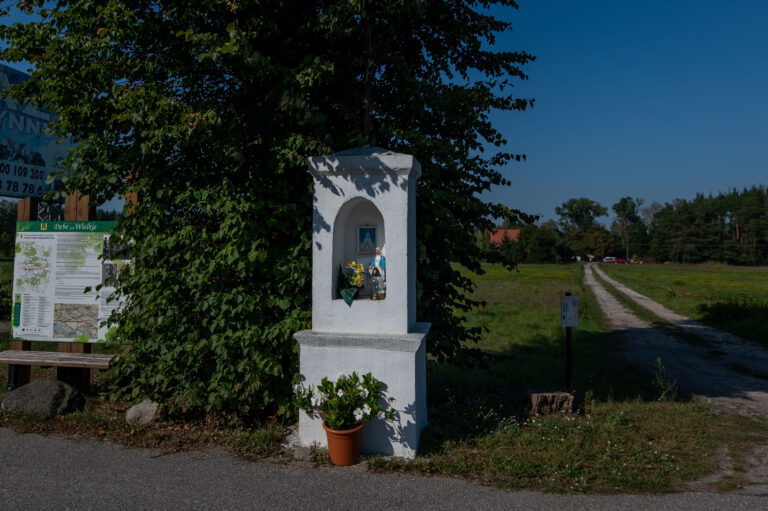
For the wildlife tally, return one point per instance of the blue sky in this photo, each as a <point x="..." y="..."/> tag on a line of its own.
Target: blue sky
<point x="653" y="99"/>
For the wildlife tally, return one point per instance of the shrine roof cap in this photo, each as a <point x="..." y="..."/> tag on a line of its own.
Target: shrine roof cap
<point x="365" y="160"/>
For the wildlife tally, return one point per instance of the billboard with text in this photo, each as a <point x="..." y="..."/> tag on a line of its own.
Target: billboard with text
<point x="27" y="154"/>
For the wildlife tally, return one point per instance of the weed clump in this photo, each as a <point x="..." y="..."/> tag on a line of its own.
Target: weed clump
<point x="667" y="388"/>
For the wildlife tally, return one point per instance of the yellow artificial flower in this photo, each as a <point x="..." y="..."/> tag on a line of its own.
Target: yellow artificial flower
<point x="360" y="268"/>
<point x="351" y="264"/>
<point x="358" y="280"/>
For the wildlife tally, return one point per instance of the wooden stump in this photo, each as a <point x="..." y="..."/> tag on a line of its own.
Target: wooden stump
<point x="544" y="403"/>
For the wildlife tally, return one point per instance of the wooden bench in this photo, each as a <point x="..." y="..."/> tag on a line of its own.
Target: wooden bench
<point x="69" y="365"/>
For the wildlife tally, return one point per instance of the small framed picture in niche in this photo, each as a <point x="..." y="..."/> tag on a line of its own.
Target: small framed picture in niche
<point x="366" y="239"/>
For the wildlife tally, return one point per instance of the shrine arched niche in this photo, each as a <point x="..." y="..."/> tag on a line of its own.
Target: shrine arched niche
<point x="357" y="230"/>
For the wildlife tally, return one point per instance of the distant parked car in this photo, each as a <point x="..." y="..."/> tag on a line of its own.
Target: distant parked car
<point x="620" y="261"/>
<point x="609" y="259"/>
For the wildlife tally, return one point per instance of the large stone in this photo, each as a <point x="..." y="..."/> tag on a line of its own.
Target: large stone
<point x="143" y="413"/>
<point x="543" y="403"/>
<point x="45" y="397"/>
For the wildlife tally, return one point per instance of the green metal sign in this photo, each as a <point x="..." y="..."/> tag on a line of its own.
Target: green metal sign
<point x="39" y="226"/>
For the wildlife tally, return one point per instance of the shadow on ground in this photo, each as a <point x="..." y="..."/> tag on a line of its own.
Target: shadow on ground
<point x="471" y="398"/>
<point x="744" y="317"/>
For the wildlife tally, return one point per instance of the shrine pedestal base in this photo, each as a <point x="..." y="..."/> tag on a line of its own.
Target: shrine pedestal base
<point x="397" y="360"/>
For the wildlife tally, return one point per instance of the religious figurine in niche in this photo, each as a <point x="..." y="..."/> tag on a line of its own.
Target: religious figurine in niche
<point x="378" y="271"/>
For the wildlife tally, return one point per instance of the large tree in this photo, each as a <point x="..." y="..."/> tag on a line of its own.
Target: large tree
<point x="628" y="219"/>
<point x="580" y="214"/>
<point x="208" y="110"/>
<point x="544" y="244"/>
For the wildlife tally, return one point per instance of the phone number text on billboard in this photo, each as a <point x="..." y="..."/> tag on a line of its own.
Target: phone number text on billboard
<point x="22" y="180"/>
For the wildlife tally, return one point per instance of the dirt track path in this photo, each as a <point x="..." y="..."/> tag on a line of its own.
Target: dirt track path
<point x="723" y="368"/>
<point x="735" y="344"/>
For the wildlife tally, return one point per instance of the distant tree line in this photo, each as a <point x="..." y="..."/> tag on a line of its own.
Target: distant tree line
<point x="730" y="228"/>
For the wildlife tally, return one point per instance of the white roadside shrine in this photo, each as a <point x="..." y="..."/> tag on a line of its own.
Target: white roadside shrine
<point x="365" y="197"/>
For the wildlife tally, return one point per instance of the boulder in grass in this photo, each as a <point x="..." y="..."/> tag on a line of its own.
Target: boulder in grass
<point x="45" y="397"/>
<point x="544" y="403"/>
<point x="143" y="413"/>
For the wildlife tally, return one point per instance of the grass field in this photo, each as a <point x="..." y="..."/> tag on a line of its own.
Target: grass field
<point x="731" y="298"/>
<point x="624" y="440"/>
<point x="6" y="270"/>
<point x="525" y="340"/>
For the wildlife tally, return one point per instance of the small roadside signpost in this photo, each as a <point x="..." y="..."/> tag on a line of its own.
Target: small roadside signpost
<point x="569" y="313"/>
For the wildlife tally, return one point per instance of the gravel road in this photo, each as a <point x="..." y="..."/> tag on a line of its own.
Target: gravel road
<point x="735" y="351"/>
<point x="721" y="368"/>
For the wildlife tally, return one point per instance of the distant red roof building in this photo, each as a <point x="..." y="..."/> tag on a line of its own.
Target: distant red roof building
<point x="497" y="236"/>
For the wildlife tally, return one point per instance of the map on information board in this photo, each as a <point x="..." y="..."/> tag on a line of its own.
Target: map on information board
<point x="54" y="264"/>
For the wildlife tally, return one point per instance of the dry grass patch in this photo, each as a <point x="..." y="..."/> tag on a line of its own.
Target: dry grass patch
<point x="106" y="420"/>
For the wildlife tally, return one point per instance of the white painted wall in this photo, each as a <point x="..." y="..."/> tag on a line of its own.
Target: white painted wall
<point x="398" y="361"/>
<point x="367" y="186"/>
<point x="386" y="181"/>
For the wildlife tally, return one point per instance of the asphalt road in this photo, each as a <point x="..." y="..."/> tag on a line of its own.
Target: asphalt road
<point x="50" y="472"/>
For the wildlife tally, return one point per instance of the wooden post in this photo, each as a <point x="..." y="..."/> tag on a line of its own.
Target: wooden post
<point x="568" y="356"/>
<point x="131" y="198"/>
<point x="19" y="375"/>
<point x="27" y="209"/>
<point x="76" y="208"/>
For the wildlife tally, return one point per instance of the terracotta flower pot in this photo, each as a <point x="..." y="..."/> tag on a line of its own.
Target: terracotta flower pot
<point x="344" y="445"/>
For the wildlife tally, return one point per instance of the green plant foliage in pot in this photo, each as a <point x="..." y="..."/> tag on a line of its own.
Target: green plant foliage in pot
<point x="346" y="403"/>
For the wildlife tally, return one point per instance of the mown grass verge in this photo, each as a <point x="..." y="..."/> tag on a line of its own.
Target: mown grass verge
<point x="629" y="446"/>
<point x="624" y="439"/>
<point x="730" y="298"/>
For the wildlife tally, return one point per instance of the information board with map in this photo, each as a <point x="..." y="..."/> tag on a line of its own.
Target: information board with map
<point x="54" y="264"/>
